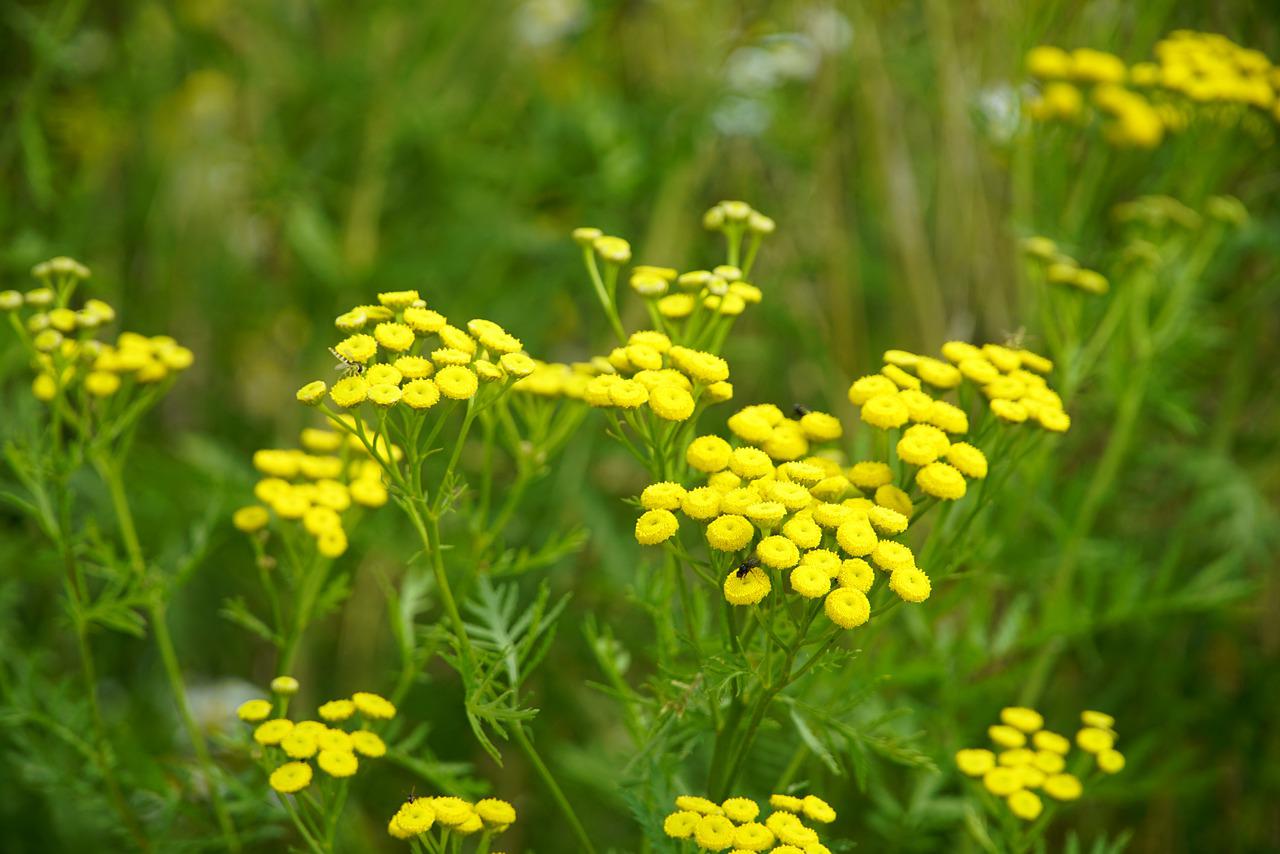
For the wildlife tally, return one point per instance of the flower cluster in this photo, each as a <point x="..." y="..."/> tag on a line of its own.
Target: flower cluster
<point x="669" y="380"/>
<point x="417" y="816"/>
<point x="1011" y="379"/>
<point x="334" y="750"/>
<point x="768" y="496"/>
<point x="314" y="485"/>
<point x="1033" y="759"/>
<point x="1059" y="268"/>
<point x="734" y="824"/>
<point x="85" y="377"/>
<point x="401" y="352"/>
<point x="1193" y="74"/>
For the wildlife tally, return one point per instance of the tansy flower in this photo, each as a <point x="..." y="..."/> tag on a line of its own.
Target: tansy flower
<point x="911" y="584"/>
<point x="1049" y="762"/>
<point x="680" y="825"/>
<point x="856" y="573"/>
<point x="892" y="556"/>
<point x="1019" y="717"/>
<point x="847" y="607"/>
<point x="975" y="762"/>
<point x="968" y="460"/>
<point x="291" y="777"/>
<point x="708" y="453"/>
<point x="357" y="348"/>
<point x="1062" y="787"/>
<point x="350" y="391"/>
<point x="886" y="520"/>
<point x="777" y="552"/>
<point x="656" y="526"/>
<point x="1006" y="736"/>
<point x="874" y="385"/>
<point x="254" y="710"/>
<point x="373" y="706"/>
<point x="420" y="394"/>
<point x="750" y="462"/>
<point x="941" y="481"/>
<point x="787" y="803"/>
<point x="752" y="836"/>
<point x="457" y="382"/>
<point x="252" y="518"/>
<point x="334" y="739"/>
<point x="1094" y="740"/>
<point x="818" y="809"/>
<point x="1025" y="805"/>
<point x="396" y="337"/>
<point x="698" y="804"/>
<point x="368" y="743"/>
<point x="729" y="533"/>
<point x="284" y="685"/>
<point x="451" y="811"/>
<point x="701" y="503"/>
<point x="746" y="589"/>
<point x="856" y="537"/>
<point x="416" y="816"/>
<point x="337" y="763"/>
<point x="741" y="809"/>
<point x="1009" y="410"/>
<point x="272" y="731"/>
<point x="821" y="427"/>
<point x="517" y="364"/>
<point x="1016" y="756"/>
<point x="384" y="394"/>
<point x="1002" y="781"/>
<point x="299" y="745"/>
<point x="894" y="498"/>
<point x="885" y="411"/>
<point x="1110" y="761"/>
<point x="414" y="367"/>
<point x="662" y="496"/>
<point x="1051" y="741"/>
<point x="496" y="813"/>
<point x="671" y="403"/>
<point x="870" y="474"/>
<point x="948" y="417"/>
<point x="312" y="392"/>
<point x="713" y="832"/>
<point x="802" y="531"/>
<point x="810" y="581"/>
<point x="383" y="374"/>
<point x="1100" y="720"/>
<point x="628" y="394"/>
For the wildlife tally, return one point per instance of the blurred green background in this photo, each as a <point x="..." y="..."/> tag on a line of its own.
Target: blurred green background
<point x="236" y="174"/>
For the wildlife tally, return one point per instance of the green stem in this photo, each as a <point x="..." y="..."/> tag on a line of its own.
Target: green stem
<point x="552" y="786"/>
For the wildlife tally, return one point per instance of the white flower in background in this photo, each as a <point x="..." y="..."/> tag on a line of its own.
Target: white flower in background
<point x="1001" y="111"/>
<point x="828" y="28"/>
<point x="741" y="115"/>
<point x="539" y="23"/>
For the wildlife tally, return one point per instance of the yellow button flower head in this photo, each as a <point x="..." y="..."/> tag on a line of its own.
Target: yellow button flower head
<point x="968" y="460"/>
<point x="778" y="552"/>
<point x="680" y="825"/>
<point x="373" y="706"/>
<point x="496" y="813"/>
<point x="420" y="394"/>
<point x="1019" y="717"/>
<point x="857" y="537"/>
<point x="471" y="825"/>
<point x="802" y="531"/>
<point x="752" y="836"/>
<point x="821" y="427"/>
<point x="1049" y="762"/>
<point x="1002" y="781"/>
<point x="1016" y="756"/>
<point x="870" y="474"/>
<point x="272" y="731"/>
<point x="873" y="385"/>
<point x="713" y="832"/>
<point x="656" y="526"/>
<point x="1006" y="736"/>
<point x="708" y="453"/>
<point x="357" y="348"/>
<point x="383" y="374"/>
<point x="698" y="804"/>
<point x="1063" y="787"/>
<point x="892" y="556"/>
<point x="398" y="299"/>
<point x="750" y="462"/>
<point x="910" y="583"/>
<point x="452" y="812"/>
<point x="751" y="425"/>
<point x="975" y="762"/>
<point x="254" y="710"/>
<point x="938" y="373"/>
<point x="857" y="574"/>
<point x="810" y="581"/>
<point x="1009" y="410"/>
<point x="886" y="520"/>
<point x="350" y="391"/>
<point x="396" y="337"/>
<point x="517" y="364"/>
<point x="291" y="777"/>
<point x="337" y="763"/>
<point x="299" y="745"/>
<point x="701" y="503"/>
<point x="456" y="382"/>
<point x="334" y="739"/>
<point x="1110" y="761"/>
<point x="252" y="518"/>
<point x="885" y="411"/>
<point x="332" y="543"/>
<point x="312" y="392"/>
<point x="941" y="481"/>
<point x="729" y="533"/>
<point x="384" y="394"/>
<point x="901" y="378"/>
<point x="741" y="810"/>
<point x="662" y="496"/>
<point x="368" y="743"/>
<point x="416" y="816"/>
<point x="101" y="383"/>
<point x="286" y="686"/>
<point x="613" y="250"/>
<point x="1100" y="720"/>
<point x="1025" y="805"/>
<point x="1094" y="740"/>
<point x="1051" y="741"/>
<point x="747" y="588"/>
<point x="1053" y="420"/>
<point x="847" y="607"/>
<point x="423" y="320"/>
<point x="818" y="809"/>
<point x="414" y="367"/>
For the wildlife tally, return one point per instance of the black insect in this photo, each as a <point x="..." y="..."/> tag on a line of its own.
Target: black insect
<point x="347" y="366"/>
<point x="800" y="410"/>
<point x="747" y="565"/>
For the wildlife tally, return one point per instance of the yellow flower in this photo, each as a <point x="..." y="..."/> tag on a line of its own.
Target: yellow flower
<point x="662" y="496"/>
<point x="312" y="392"/>
<point x="291" y="777"/>
<point x="656" y="526"/>
<point x="741" y="810"/>
<point x="676" y="306"/>
<point x="979" y="369"/>
<point x="420" y="394"/>
<point x="1016" y="757"/>
<point x="1049" y="762"/>
<point x="252" y="518"/>
<point x="885" y="411"/>
<point x="452" y="812"/>
<point x="1019" y="717"/>
<point x="254" y="710"/>
<point x="495" y="812"/>
<point x="752" y="836"/>
<point x="337" y="763"/>
<point x="857" y="537"/>
<point x="1006" y="736"/>
<point x="810" y="581"/>
<point x="680" y="825"/>
<point x="1101" y="720"/>
<point x="847" y="607"/>
<point x="357" y="348"/>
<point x="1053" y="420"/>
<point x="892" y="556"/>
<point x="818" y="809"/>
<point x="456" y="382"/>
<point x="901" y="378"/>
<point x="968" y="460"/>
<point x="938" y="373"/>
<point x="886" y="520"/>
<point x="373" y="706"/>
<point x="299" y="745"/>
<point x="517" y="364"/>
<point x="396" y="337"/>
<point x="777" y="552"/>
<point x="787" y="803"/>
<point x="1025" y="805"/>
<point x="729" y="533"/>
<point x="1063" y="787"/>
<point x="350" y="391"/>
<point x="424" y="320"/>
<point x="698" y="804"/>
<point x="384" y="394"/>
<point x="101" y="383"/>
<point x="941" y="481"/>
<point x="1051" y="741"/>
<point x="701" y="503"/>
<point x="398" y="299"/>
<point x="332" y="543"/>
<point x="383" y="374"/>
<point x="414" y="367"/>
<point x="870" y="474"/>
<point x="708" y="454"/>
<point x="272" y="731"/>
<point x="416" y="816"/>
<point x="1002" y="781"/>
<point x="748" y="588"/>
<point x="628" y="394"/>
<point x="1094" y="740"/>
<point x="873" y="385"/>
<point x="910" y="583"/>
<point x="1009" y="410"/>
<point x="821" y="427"/>
<point x="614" y="250"/>
<point x="713" y="832"/>
<point x="1110" y="761"/>
<point x="750" y="462"/>
<point x="975" y="762"/>
<point x="802" y="531"/>
<point x="286" y="686"/>
<point x="857" y="574"/>
<point x="671" y="403"/>
<point x="368" y="743"/>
